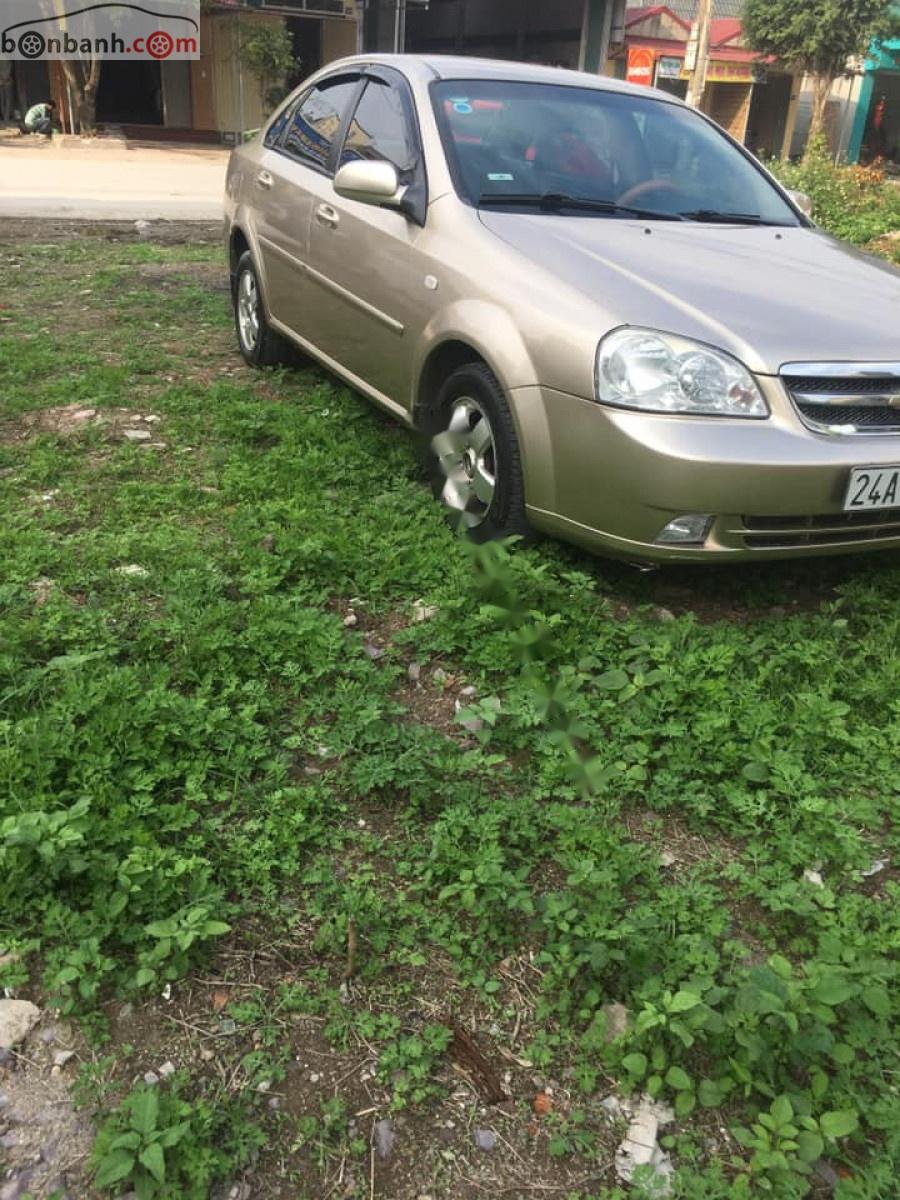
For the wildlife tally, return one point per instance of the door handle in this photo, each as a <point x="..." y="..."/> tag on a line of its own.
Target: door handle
<point x="264" y="179"/>
<point x="326" y="215"/>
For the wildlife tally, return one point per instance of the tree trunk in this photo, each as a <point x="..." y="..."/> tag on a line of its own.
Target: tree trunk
<point x="821" y="91"/>
<point x="84" y="78"/>
<point x="87" y="110"/>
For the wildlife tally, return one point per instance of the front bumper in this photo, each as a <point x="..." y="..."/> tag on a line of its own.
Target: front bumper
<point x="610" y="480"/>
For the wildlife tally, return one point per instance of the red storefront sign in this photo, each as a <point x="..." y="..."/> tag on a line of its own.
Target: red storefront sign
<point x="640" y="65"/>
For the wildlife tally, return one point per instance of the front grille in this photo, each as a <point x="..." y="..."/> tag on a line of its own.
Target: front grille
<point x="830" y="529"/>
<point x="843" y="387"/>
<point x="881" y="416"/>
<point x="845" y="399"/>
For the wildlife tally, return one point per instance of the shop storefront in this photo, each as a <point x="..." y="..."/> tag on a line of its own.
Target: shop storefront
<point x="747" y="95"/>
<point x="510" y="29"/>
<point x="876" y="124"/>
<point x="213" y="98"/>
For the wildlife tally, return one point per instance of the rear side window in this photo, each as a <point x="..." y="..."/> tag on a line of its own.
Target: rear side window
<point x="379" y="129"/>
<point x="276" y="129"/>
<point x="316" y="122"/>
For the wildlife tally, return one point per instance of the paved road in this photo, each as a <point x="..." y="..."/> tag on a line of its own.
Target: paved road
<point x="110" y="180"/>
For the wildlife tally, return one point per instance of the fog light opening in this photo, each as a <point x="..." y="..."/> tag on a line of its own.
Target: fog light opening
<point x="691" y="529"/>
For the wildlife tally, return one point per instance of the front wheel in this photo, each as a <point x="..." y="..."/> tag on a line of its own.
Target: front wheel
<point x="258" y="342"/>
<point x="476" y="465"/>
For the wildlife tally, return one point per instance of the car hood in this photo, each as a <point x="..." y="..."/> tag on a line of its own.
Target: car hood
<point x="769" y="295"/>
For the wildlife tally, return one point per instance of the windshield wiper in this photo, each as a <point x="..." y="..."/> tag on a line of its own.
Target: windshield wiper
<point x="555" y="201"/>
<point x="728" y="218"/>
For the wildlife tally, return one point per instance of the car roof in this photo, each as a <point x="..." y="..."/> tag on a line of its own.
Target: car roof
<point x="458" y="66"/>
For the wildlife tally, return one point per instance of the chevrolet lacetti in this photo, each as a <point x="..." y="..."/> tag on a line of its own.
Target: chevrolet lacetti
<point x="611" y="322"/>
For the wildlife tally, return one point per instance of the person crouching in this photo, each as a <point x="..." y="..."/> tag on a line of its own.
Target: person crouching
<point x="39" y="119"/>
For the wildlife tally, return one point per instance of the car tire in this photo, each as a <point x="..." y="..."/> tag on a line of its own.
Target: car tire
<point x="258" y="342"/>
<point x="474" y="458"/>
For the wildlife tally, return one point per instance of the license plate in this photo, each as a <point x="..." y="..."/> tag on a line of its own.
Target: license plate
<point x="873" y="487"/>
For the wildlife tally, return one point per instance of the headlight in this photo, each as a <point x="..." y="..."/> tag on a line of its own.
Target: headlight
<point x="659" y="372"/>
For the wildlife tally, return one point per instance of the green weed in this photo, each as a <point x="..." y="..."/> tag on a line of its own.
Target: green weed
<point x="190" y="748"/>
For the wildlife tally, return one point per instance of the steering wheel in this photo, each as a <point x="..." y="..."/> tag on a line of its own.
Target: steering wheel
<point x="648" y="186"/>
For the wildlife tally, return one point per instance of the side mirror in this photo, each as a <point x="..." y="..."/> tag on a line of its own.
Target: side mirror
<point x="370" y="182"/>
<point x="803" y="202"/>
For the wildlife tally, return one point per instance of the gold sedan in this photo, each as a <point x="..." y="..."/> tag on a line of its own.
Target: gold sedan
<point x="611" y="321"/>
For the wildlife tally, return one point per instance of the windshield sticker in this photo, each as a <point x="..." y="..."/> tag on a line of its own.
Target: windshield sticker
<point x="497" y="176"/>
<point x="461" y="106"/>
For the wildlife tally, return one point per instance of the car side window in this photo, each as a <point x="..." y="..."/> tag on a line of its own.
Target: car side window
<point x="276" y="129"/>
<point x="379" y="129"/>
<point x="317" y="120"/>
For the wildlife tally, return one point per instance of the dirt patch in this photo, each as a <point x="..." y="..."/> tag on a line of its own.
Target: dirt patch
<point x="727" y="599"/>
<point x="679" y="846"/>
<point x="714" y="592"/>
<point x="332" y="1131"/>
<point x="172" y="276"/>
<point x="18" y="230"/>
<point x="429" y="691"/>
<point x="432" y="693"/>
<point x="70" y="420"/>
<point x="44" y="1142"/>
<point x="430" y="701"/>
<point x="378" y="630"/>
<point x="881" y="881"/>
<point x="456" y="1146"/>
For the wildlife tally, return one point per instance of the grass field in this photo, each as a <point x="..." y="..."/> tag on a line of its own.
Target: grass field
<point x="244" y="828"/>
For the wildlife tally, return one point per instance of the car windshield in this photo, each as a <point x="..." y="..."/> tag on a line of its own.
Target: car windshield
<point x="536" y="146"/>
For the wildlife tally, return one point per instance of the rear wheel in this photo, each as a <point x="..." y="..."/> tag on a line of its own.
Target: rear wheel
<point x="476" y="466"/>
<point x="260" y="345"/>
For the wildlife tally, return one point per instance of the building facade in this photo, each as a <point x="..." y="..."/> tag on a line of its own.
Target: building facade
<point x="876" y="122"/>
<point x="747" y="94"/>
<point x="753" y="98"/>
<point x="216" y="98"/>
<point x="567" y="33"/>
<point x="213" y="98"/>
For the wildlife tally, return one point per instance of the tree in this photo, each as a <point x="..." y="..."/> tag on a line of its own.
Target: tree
<point x="83" y="76"/>
<point x="817" y="36"/>
<point x="266" y="50"/>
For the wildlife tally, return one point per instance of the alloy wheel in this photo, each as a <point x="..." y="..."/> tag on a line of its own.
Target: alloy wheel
<point x="467" y="457"/>
<point x="248" y="311"/>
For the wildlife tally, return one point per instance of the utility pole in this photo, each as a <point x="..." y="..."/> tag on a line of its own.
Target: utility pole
<point x="240" y="80"/>
<point x="601" y="20"/>
<point x="400" y="27"/>
<point x="697" y="54"/>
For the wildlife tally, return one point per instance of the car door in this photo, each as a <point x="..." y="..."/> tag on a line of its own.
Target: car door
<point x="369" y="297"/>
<point x="297" y="151"/>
